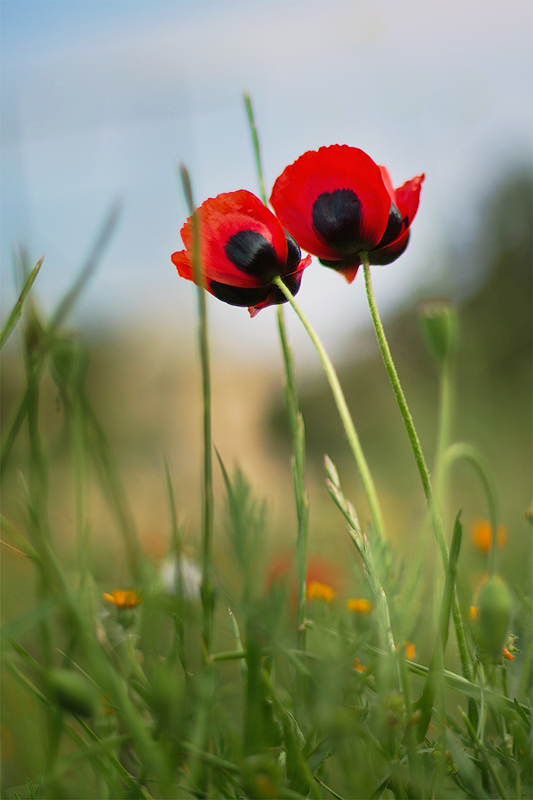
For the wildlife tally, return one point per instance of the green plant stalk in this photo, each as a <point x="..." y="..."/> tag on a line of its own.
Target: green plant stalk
<point x="175" y="553"/>
<point x="207" y="505"/>
<point x="419" y="457"/>
<point x="296" y="424"/>
<point x="349" y="428"/>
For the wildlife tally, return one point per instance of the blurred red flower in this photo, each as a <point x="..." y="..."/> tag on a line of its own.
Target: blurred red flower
<point x="242" y="248"/>
<point x="337" y="203"/>
<point x="320" y="572"/>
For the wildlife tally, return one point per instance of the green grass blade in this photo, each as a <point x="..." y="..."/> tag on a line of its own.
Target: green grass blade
<point x="17" y="308"/>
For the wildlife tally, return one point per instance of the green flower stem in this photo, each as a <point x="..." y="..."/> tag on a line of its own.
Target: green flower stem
<point x="419" y="457"/>
<point x="349" y="428"/>
<point x="207" y="504"/>
<point x="397" y="389"/>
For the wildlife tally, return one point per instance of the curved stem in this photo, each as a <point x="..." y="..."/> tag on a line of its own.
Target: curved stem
<point x="468" y="452"/>
<point x="418" y="454"/>
<point x="349" y="428"/>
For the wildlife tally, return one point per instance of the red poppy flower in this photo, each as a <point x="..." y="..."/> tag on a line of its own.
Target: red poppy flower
<point x="242" y="248"/>
<point x="337" y="203"/>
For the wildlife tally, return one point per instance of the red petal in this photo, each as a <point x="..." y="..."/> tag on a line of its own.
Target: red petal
<point x="184" y="266"/>
<point x="406" y="200"/>
<point x="408" y="197"/>
<point x="388" y="183"/>
<point x="349" y="272"/>
<point x="220" y="218"/>
<point x="326" y="170"/>
<point x="388" y="254"/>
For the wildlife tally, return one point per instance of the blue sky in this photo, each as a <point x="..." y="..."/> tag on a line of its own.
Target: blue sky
<point x="101" y="100"/>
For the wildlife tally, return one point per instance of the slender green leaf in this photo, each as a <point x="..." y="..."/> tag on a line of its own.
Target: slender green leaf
<point x="17" y="308"/>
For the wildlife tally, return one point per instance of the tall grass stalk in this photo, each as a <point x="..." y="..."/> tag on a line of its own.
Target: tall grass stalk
<point x="207" y="484"/>
<point x="296" y="424"/>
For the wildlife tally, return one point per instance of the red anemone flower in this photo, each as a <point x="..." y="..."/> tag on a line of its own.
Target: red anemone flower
<point x="337" y="203"/>
<point x="242" y="248"/>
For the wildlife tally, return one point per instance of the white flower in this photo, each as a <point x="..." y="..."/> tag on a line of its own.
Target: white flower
<point x="181" y="570"/>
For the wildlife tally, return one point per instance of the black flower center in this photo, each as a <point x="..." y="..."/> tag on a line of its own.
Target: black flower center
<point x="253" y="254"/>
<point x="337" y="220"/>
<point x="237" y="296"/>
<point x="294" y="254"/>
<point x="395" y="226"/>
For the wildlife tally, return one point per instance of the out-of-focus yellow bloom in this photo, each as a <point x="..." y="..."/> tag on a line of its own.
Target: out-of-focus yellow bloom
<point x="507" y="654"/>
<point x="359" y="605"/>
<point x="410" y="650"/>
<point x="319" y="591"/>
<point x="482" y="535"/>
<point x="358" y="666"/>
<point x="124" y="598"/>
<point x="474" y="613"/>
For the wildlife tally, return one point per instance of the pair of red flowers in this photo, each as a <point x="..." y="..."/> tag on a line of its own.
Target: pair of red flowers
<point x="334" y="202"/>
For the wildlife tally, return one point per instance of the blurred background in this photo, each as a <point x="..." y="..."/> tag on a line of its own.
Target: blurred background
<point x="102" y="100"/>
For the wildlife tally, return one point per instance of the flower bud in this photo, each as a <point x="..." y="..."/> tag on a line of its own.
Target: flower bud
<point x="493" y="619"/>
<point x="438" y="325"/>
<point x="71" y="691"/>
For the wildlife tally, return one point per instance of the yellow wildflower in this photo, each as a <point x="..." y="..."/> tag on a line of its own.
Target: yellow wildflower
<point x="482" y="535"/>
<point x="358" y="666"/>
<point x="319" y="591"/>
<point x="507" y="654"/>
<point x="360" y="605"/>
<point x="474" y="613"/>
<point x="124" y="598"/>
<point x="410" y="650"/>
